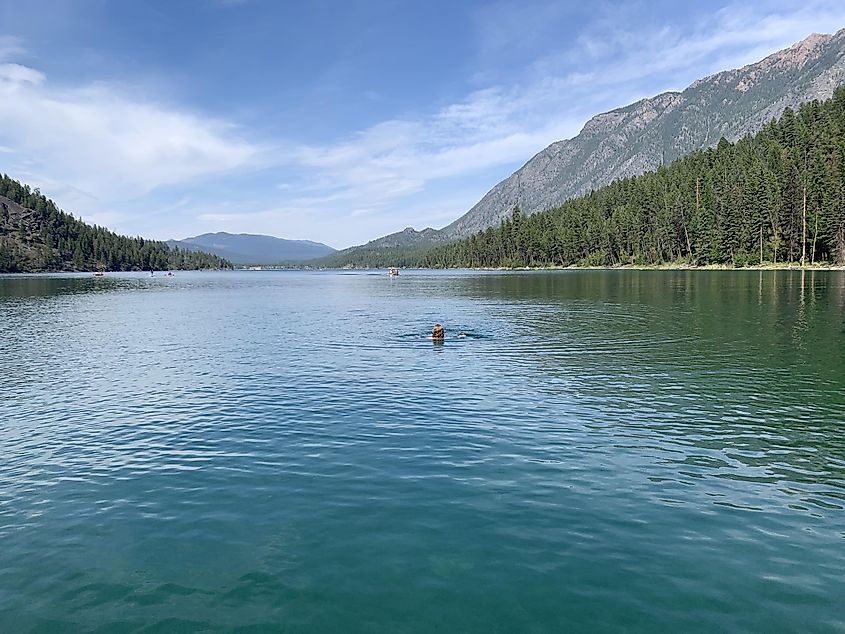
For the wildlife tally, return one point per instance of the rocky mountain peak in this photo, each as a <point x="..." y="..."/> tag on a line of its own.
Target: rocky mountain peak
<point x="799" y="53"/>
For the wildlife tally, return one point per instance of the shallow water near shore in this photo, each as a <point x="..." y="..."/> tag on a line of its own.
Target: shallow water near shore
<point x="286" y="451"/>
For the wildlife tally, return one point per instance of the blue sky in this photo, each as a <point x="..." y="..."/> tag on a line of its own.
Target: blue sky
<point x="335" y="121"/>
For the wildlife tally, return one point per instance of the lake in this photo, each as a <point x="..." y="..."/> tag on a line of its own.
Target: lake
<point x="286" y="451"/>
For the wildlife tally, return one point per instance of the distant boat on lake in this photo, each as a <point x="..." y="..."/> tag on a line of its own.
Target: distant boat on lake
<point x="392" y="271"/>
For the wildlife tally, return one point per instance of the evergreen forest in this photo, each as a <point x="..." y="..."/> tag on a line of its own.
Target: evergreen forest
<point x="774" y="198"/>
<point x="35" y="235"/>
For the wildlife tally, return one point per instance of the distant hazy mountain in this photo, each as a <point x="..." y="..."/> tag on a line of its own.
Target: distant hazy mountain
<point x="245" y="248"/>
<point x="637" y="138"/>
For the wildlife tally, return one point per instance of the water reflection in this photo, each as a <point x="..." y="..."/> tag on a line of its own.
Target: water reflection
<point x="24" y="286"/>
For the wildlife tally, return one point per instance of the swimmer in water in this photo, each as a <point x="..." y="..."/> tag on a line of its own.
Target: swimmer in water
<point x="438" y="334"/>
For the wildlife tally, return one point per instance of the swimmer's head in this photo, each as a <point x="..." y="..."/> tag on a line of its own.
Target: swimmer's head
<point x="437" y="332"/>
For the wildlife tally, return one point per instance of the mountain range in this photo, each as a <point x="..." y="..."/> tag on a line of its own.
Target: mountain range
<point x="245" y="248"/>
<point x="641" y="136"/>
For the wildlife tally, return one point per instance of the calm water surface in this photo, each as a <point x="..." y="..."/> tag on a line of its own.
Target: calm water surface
<point x="284" y="451"/>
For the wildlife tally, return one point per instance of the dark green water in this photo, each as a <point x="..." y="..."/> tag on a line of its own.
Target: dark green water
<point x="604" y="451"/>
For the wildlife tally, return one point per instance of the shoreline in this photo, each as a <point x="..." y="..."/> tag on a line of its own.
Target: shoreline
<point x="622" y="267"/>
<point x="665" y="267"/>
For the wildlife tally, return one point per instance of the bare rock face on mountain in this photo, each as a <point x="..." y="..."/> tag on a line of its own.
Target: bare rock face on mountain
<point x="637" y="138"/>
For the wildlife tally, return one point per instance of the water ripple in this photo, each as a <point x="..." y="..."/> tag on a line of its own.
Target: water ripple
<point x="260" y="451"/>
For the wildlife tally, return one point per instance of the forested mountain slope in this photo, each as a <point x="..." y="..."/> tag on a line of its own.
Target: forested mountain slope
<point x="776" y="197"/>
<point x="35" y="235"/>
<point x="642" y="136"/>
<point x="651" y="132"/>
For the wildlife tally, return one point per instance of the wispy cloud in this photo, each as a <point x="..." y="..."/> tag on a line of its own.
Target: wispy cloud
<point x="12" y="76"/>
<point x="10" y="47"/>
<point x="381" y="168"/>
<point x="735" y="35"/>
<point x="96" y="142"/>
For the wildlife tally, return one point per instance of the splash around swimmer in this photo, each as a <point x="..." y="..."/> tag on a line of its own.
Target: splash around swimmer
<point x="438" y="334"/>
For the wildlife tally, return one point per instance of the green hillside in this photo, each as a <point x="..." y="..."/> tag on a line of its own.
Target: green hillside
<point x="777" y="197"/>
<point x="35" y="235"/>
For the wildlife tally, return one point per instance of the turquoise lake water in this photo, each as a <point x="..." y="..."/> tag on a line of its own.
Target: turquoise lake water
<point x="285" y="451"/>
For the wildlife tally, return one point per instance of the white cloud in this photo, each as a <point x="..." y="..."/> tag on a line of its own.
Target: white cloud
<point x="12" y="75"/>
<point x="379" y="169"/>
<point x="100" y="141"/>
<point x="10" y="47"/>
<point x="674" y="55"/>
